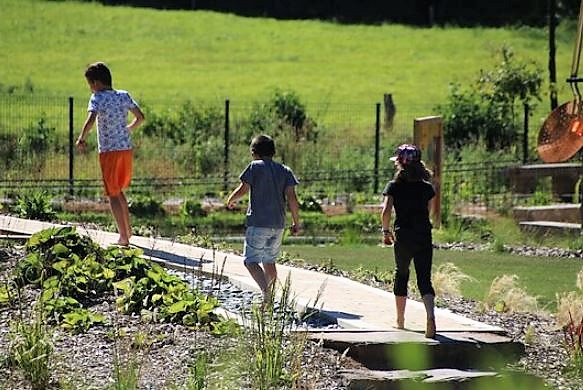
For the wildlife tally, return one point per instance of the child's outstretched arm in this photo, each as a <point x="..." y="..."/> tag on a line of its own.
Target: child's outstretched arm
<point x="237" y="194"/>
<point x="82" y="140"/>
<point x="138" y="118"/>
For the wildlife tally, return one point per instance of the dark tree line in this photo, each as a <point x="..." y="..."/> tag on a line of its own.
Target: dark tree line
<point x="417" y="12"/>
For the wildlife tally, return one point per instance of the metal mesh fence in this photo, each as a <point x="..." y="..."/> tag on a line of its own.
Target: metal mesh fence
<point x="31" y="148"/>
<point x="199" y="148"/>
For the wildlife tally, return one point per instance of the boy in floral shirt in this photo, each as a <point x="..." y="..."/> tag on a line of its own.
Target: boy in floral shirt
<point x="110" y="108"/>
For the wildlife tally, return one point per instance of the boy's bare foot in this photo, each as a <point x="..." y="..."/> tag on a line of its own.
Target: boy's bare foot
<point x="122" y="242"/>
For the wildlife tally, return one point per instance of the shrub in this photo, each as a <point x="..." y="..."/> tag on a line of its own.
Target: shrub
<point x="284" y="112"/>
<point x="486" y="109"/>
<point x="192" y="208"/>
<point x="145" y="206"/>
<point x="468" y="118"/>
<point x="34" y="205"/>
<point x="8" y="148"/>
<point x="38" y="137"/>
<point x="196" y="132"/>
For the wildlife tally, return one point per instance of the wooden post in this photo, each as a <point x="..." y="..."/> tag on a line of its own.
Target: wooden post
<point x="390" y="111"/>
<point x="552" y="19"/>
<point x="428" y="135"/>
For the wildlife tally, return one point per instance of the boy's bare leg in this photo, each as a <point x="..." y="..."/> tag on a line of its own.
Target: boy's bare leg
<point x="115" y="203"/>
<point x="270" y="277"/>
<point x="258" y="275"/>
<point x="126" y="216"/>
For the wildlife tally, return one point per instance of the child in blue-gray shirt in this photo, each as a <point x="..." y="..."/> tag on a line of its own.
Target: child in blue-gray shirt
<point x="269" y="184"/>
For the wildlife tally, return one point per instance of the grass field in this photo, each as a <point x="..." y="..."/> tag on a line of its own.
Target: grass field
<point x="163" y="56"/>
<point x="540" y="276"/>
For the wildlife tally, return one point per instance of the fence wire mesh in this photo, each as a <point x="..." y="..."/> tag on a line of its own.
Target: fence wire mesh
<point x="200" y="148"/>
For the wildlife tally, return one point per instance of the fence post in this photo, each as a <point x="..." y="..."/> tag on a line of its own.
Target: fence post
<point x="377" y="142"/>
<point x="226" y="151"/>
<point x="71" y="148"/>
<point x="525" y="137"/>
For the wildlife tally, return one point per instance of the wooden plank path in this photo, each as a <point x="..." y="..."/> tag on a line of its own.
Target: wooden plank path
<point x="354" y="305"/>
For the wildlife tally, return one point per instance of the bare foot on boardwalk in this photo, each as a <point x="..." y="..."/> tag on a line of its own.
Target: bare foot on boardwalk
<point x="122" y="242"/>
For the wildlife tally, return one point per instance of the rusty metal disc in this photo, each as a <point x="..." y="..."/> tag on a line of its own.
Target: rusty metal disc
<point x="561" y="135"/>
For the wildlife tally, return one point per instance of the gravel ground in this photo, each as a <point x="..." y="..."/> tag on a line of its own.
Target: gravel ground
<point x="163" y="351"/>
<point x="85" y="361"/>
<point x="545" y="355"/>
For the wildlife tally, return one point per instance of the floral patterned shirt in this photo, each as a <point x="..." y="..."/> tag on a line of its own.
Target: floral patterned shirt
<point x="112" y="107"/>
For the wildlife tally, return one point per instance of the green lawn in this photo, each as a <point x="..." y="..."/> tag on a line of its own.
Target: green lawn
<point x="539" y="276"/>
<point x="162" y="56"/>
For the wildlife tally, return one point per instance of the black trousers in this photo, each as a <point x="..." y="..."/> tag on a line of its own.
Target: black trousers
<point x="416" y="246"/>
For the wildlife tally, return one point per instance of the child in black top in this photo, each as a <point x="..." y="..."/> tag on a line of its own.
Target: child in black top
<point x="410" y="193"/>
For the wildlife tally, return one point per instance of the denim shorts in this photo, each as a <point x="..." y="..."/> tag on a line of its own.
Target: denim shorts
<point x="262" y="245"/>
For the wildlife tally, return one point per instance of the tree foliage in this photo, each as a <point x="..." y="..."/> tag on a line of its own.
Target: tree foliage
<point x="486" y="110"/>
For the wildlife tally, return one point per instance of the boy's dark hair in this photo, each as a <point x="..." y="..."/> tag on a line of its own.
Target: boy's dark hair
<point x="263" y="146"/>
<point x="98" y="71"/>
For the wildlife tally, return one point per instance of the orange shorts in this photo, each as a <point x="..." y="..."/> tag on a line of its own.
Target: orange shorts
<point x="116" y="170"/>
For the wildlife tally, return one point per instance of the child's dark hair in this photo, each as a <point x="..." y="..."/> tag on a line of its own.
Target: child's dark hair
<point x="263" y="146"/>
<point x="98" y="71"/>
<point x="414" y="171"/>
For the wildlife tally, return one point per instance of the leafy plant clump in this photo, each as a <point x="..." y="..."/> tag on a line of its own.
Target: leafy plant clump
<point x="35" y="205"/>
<point x="31" y="350"/>
<point x="145" y="206"/>
<point x="574" y="347"/>
<point x="195" y="131"/>
<point x="192" y="208"/>
<point x="37" y="138"/>
<point x="74" y="272"/>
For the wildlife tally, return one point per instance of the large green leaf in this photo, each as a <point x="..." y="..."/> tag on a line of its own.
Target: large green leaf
<point x="125" y="285"/>
<point x="178" y="307"/>
<point x="60" y="249"/>
<point x="154" y="275"/>
<point x="108" y="273"/>
<point x="61" y="265"/>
